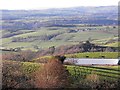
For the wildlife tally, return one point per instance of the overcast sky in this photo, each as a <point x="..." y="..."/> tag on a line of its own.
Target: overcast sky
<point x="43" y="4"/>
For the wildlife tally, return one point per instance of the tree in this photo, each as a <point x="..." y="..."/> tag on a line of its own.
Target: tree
<point x="52" y="49"/>
<point x="36" y="47"/>
<point x="87" y="46"/>
<point x="61" y="58"/>
<point x="52" y="75"/>
<point x="108" y="49"/>
<point x="119" y="62"/>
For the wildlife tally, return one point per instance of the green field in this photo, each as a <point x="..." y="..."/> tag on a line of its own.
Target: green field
<point x="109" y="55"/>
<point x="105" y="72"/>
<point x="57" y="36"/>
<point x="115" y="44"/>
<point x="94" y="55"/>
<point x="86" y="76"/>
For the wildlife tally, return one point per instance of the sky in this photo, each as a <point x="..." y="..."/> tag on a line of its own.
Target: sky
<point x="45" y="4"/>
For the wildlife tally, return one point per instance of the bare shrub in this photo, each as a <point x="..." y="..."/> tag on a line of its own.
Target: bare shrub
<point x="25" y="56"/>
<point x="13" y="77"/>
<point x="52" y="75"/>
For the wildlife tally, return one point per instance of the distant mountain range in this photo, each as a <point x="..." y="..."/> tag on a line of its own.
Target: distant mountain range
<point x="106" y="11"/>
<point x="102" y="15"/>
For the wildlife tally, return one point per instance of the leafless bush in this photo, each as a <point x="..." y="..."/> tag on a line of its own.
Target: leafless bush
<point x="13" y="77"/>
<point x="21" y="56"/>
<point x="52" y="75"/>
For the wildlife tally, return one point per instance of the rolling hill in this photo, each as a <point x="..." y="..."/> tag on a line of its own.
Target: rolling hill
<point x="40" y="29"/>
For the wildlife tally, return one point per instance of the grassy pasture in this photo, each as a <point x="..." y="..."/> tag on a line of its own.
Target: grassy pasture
<point x="94" y="55"/>
<point x="115" y="44"/>
<point x="109" y="55"/>
<point x="64" y="37"/>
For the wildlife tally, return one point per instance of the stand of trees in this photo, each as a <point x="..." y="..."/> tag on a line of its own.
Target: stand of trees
<point x="70" y="49"/>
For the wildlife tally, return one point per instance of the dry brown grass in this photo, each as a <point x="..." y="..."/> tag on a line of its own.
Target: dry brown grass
<point x="92" y="78"/>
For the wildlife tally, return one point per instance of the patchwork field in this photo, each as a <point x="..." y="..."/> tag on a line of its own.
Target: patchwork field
<point x="57" y="36"/>
<point x="34" y="42"/>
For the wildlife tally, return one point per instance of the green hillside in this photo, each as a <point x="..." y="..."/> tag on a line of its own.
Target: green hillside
<point x="57" y="36"/>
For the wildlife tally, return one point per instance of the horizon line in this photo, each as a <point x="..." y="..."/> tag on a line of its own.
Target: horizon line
<point x="61" y="7"/>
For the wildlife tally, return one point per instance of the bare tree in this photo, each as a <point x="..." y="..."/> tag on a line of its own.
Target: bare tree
<point x="52" y="75"/>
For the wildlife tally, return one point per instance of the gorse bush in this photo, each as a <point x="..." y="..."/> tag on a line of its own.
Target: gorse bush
<point x="29" y="67"/>
<point x="52" y="75"/>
